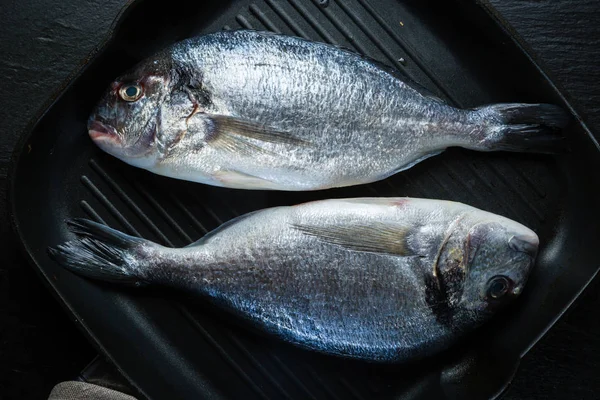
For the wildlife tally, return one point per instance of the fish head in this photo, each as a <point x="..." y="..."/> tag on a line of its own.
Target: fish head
<point x="498" y="255"/>
<point x="483" y="265"/>
<point x="126" y="121"/>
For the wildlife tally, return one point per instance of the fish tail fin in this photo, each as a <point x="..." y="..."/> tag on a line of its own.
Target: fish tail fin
<point x="534" y="128"/>
<point x="102" y="253"/>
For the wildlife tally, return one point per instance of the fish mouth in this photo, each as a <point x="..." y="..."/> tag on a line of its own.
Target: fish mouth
<point x="527" y="243"/>
<point x="100" y="132"/>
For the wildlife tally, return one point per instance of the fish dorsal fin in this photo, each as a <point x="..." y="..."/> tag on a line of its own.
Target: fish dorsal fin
<point x="423" y="91"/>
<point x="372" y="238"/>
<point x="398" y="74"/>
<point x="246" y="137"/>
<point x="204" y="239"/>
<point x="403" y="77"/>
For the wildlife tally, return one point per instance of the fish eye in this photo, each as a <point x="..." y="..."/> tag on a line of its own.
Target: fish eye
<point x="131" y="92"/>
<point x="498" y="286"/>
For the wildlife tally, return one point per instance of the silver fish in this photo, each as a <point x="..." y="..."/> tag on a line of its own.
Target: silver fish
<point x="378" y="279"/>
<point x="256" y="110"/>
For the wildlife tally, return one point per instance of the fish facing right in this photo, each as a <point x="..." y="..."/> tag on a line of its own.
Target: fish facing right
<point x="377" y="279"/>
<point x="257" y="110"/>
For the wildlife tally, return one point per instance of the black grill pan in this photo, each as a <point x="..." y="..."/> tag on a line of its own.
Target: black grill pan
<point x="170" y="347"/>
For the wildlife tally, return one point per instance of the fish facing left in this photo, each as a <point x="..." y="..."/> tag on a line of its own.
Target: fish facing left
<point x="255" y="110"/>
<point x="377" y="279"/>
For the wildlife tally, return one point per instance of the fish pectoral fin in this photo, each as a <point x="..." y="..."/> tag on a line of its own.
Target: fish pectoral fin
<point x="375" y="238"/>
<point x="245" y="136"/>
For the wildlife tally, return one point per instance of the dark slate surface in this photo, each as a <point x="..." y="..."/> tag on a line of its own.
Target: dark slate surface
<point x="42" y="41"/>
<point x="564" y="37"/>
